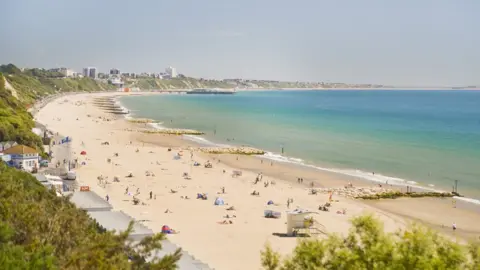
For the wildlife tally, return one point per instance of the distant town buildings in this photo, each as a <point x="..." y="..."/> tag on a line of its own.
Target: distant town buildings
<point x="90" y="72"/>
<point x="171" y="71"/>
<point x="64" y="71"/>
<point x="114" y="71"/>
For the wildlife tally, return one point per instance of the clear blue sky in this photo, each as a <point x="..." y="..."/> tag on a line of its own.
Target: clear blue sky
<point x="402" y="42"/>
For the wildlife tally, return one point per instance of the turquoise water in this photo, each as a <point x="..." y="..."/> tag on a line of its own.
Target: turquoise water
<point x="429" y="137"/>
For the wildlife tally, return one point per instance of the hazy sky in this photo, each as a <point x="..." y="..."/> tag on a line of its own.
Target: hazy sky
<point x="402" y="42"/>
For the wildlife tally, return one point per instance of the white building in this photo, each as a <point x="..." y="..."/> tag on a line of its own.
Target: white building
<point x="172" y="72"/>
<point x="23" y="157"/>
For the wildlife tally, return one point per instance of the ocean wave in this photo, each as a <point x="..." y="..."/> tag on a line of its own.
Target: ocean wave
<point x="469" y="200"/>
<point x="127" y="116"/>
<point x="378" y="178"/>
<point x="204" y="142"/>
<point x="158" y="125"/>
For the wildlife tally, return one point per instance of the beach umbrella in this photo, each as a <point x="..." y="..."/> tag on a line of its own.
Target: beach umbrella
<point x="83" y="153"/>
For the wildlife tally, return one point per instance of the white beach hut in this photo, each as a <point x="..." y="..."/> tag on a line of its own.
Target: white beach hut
<point x="296" y="220"/>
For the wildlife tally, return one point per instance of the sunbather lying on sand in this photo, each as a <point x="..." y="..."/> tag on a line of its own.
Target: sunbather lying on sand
<point x="231" y="208"/>
<point x="228" y="216"/>
<point x="202" y="196"/>
<point x="226" y="222"/>
<point x="343" y="212"/>
<point x="186" y="197"/>
<point x="255" y="193"/>
<point x="173" y="191"/>
<point x="168" y="230"/>
<point x="168" y="211"/>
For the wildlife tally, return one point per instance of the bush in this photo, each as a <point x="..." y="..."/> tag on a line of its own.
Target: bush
<point x="367" y="246"/>
<point x="39" y="230"/>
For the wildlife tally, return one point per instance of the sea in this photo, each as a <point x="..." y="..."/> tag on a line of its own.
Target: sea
<point x="417" y="137"/>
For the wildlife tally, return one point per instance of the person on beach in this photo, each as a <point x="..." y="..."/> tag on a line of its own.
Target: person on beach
<point x="454" y="226"/>
<point x="107" y="198"/>
<point x="126" y="191"/>
<point x="151" y="194"/>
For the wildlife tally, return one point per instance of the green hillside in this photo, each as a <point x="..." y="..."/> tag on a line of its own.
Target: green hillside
<point x="31" y="84"/>
<point x="39" y="230"/>
<point x="146" y="83"/>
<point x="15" y="122"/>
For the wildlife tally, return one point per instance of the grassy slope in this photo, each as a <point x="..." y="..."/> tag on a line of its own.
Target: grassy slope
<point x="30" y="87"/>
<point x="176" y="83"/>
<point x="15" y="122"/>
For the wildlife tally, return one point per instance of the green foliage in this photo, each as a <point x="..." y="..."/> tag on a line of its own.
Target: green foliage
<point x="42" y="73"/>
<point x="148" y="83"/>
<point x="367" y="246"/>
<point x="39" y="230"/>
<point x="15" y="122"/>
<point x="10" y="69"/>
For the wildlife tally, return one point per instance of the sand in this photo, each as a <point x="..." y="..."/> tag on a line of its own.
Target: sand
<point x="222" y="246"/>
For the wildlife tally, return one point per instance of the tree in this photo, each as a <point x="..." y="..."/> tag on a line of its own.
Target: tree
<point x="367" y="246"/>
<point x="39" y="230"/>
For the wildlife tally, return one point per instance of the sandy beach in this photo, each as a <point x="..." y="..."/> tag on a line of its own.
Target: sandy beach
<point x="234" y="245"/>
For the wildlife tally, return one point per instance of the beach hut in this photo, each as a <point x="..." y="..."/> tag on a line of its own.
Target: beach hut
<point x="298" y="219"/>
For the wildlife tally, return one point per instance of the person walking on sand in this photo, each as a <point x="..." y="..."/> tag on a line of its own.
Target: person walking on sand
<point x="454" y="226"/>
<point x="151" y="194"/>
<point x="107" y="198"/>
<point x="126" y="191"/>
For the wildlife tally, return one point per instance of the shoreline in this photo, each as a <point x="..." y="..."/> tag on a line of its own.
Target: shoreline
<point x="355" y="175"/>
<point x="250" y="230"/>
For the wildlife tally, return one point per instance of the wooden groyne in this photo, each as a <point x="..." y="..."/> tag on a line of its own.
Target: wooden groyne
<point x="168" y="131"/>
<point x="142" y="121"/>
<point x="232" y="150"/>
<point x="376" y="193"/>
